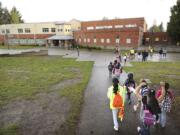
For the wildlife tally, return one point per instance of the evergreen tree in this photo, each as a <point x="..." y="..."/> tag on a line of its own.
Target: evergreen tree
<point x="1" y="13"/>
<point x="6" y="18"/>
<point x="154" y="28"/>
<point x="173" y="27"/>
<point x="161" y="28"/>
<point x="15" y="16"/>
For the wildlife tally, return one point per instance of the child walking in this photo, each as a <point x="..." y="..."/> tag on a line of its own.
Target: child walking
<point x="113" y="92"/>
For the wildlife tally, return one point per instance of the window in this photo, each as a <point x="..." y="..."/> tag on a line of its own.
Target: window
<point x="90" y="28"/>
<point x="156" y="39"/>
<point x="3" y="31"/>
<point x="80" y="40"/>
<point x="84" y="40"/>
<point x="27" y="30"/>
<point x="103" y="27"/>
<point x="88" y="40"/>
<point x="102" y="40"/>
<point x="95" y="40"/>
<point x="107" y="40"/>
<point x="60" y="30"/>
<point x="130" y="25"/>
<point x="45" y="29"/>
<point x="118" y="26"/>
<point x="128" y="41"/>
<point x="20" y="30"/>
<point x="117" y="40"/>
<point x="53" y="29"/>
<point x="7" y="31"/>
<point x="147" y="39"/>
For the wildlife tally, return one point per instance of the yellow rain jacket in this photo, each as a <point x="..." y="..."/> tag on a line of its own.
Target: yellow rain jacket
<point x="110" y="95"/>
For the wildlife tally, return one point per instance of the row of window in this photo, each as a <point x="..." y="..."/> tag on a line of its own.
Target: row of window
<point x="156" y="39"/>
<point x="110" y="27"/>
<point x="61" y="30"/>
<point x="102" y="40"/>
<point x="28" y="30"/>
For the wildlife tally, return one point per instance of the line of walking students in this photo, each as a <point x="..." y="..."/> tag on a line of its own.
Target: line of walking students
<point x="153" y="105"/>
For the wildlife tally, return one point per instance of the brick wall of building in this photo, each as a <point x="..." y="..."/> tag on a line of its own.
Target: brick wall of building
<point x="140" y="22"/>
<point x="157" y="38"/>
<point x="124" y="29"/>
<point x="87" y="38"/>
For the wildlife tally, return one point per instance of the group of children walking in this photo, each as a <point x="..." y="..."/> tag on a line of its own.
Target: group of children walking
<point x="153" y="104"/>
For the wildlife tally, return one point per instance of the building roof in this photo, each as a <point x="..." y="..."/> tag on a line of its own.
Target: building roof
<point x="60" y="37"/>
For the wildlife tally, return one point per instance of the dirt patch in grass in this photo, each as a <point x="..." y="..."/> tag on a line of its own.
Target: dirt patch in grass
<point x="172" y="76"/>
<point x="44" y="115"/>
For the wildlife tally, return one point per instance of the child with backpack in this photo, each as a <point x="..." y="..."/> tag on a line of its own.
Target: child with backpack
<point x="165" y="98"/>
<point x="148" y="118"/>
<point x="110" y="68"/>
<point x="141" y="91"/>
<point x="129" y="83"/>
<point x="151" y="111"/>
<point x="154" y="105"/>
<point x="116" y="95"/>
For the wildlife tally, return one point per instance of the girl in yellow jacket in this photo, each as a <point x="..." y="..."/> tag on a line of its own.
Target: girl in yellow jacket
<point x="112" y="91"/>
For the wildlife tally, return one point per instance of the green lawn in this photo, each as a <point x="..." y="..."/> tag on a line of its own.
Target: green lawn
<point x="156" y="72"/>
<point x="22" y="77"/>
<point x="160" y="71"/>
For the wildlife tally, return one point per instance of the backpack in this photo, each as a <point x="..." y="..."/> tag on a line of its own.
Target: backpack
<point x="144" y="91"/>
<point x="166" y="103"/>
<point x="117" y="101"/>
<point x="148" y="118"/>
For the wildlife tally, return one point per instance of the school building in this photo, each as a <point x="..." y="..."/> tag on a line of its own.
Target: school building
<point x="106" y="33"/>
<point x="110" y="33"/>
<point x="56" y="33"/>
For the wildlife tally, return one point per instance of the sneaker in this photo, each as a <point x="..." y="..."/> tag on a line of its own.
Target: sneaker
<point x="138" y="129"/>
<point x="115" y="128"/>
<point x="135" y="108"/>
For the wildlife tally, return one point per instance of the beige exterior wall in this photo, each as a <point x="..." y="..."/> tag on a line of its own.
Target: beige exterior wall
<point x="75" y="25"/>
<point x="63" y="29"/>
<point x="37" y="28"/>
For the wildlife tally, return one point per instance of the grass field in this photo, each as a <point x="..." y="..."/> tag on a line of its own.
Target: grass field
<point x="157" y="71"/>
<point x="23" y="77"/>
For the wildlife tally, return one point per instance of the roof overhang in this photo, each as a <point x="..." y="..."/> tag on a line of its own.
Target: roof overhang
<point x="60" y="37"/>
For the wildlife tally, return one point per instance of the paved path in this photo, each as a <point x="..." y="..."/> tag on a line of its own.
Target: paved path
<point x="96" y="117"/>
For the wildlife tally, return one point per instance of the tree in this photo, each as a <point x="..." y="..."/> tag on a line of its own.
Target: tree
<point x="173" y="27"/>
<point x="154" y="28"/>
<point x="6" y="18"/>
<point x="15" y="16"/>
<point x="1" y="13"/>
<point x="161" y="28"/>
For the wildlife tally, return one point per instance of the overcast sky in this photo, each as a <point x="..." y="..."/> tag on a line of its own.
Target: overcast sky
<point x="65" y="10"/>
